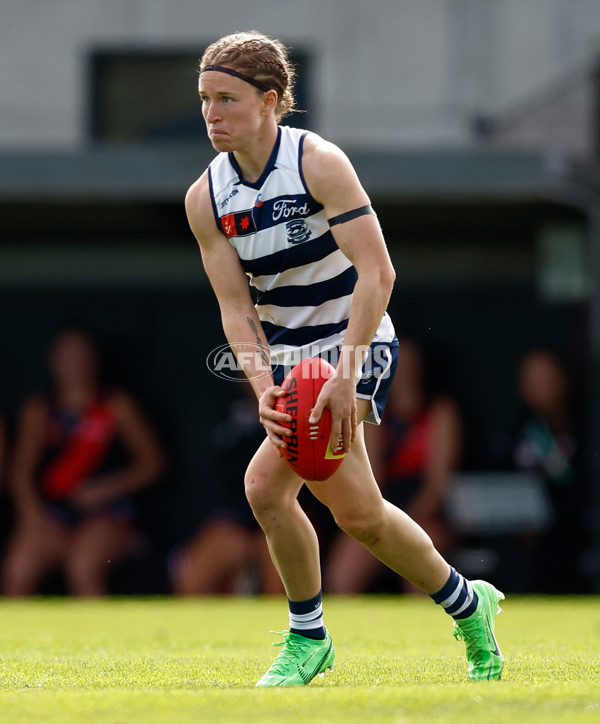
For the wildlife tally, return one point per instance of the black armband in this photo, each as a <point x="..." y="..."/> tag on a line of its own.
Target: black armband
<point x="349" y="215"/>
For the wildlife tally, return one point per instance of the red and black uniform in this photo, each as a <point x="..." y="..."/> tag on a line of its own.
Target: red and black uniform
<point x="79" y="447"/>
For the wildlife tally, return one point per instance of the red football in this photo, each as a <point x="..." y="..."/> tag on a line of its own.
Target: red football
<point x="309" y="451"/>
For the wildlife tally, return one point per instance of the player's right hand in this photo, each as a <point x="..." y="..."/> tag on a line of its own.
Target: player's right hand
<point x="271" y="419"/>
<point x="339" y="395"/>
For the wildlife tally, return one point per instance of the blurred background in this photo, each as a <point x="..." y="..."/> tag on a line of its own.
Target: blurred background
<point x="475" y="129"/>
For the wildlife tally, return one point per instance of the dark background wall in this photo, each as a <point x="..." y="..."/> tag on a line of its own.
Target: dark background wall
<point x="466" y="289"/>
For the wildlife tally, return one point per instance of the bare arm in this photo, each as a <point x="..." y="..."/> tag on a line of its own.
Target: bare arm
<point x="147" y="459"/>
<point x="28" y="451"/>
<point x="241" y="323"/>
<point x="334" y="183"/>
<point x="444" y="458"/>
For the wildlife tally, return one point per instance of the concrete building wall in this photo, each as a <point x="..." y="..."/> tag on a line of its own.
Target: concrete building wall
<point x="387" y="72"/>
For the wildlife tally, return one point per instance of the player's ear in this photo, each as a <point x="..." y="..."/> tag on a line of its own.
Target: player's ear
<point x="270" y="100"/>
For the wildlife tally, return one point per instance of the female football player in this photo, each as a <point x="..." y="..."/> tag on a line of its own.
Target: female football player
<point x="285" y="208"/>
<point x="81" y="454"/>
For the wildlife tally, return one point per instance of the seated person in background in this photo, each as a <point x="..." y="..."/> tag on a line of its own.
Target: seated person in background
<point x="413" y="453"/>
<point x="230" y="543"/>
<point x="81" y="453"/>
<point x="2" y="451"/>
<point x="547" y="442"/>
<point x="5" y="519"/>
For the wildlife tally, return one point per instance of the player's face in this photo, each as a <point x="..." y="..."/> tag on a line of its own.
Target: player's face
<point x="542" y="383"/>
<point x="410" y="366"/>
<point x="72" y="359"/>
<point x="232" y="110"/>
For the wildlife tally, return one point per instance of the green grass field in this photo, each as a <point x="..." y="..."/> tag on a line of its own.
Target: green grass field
<point x="197" y="660"/>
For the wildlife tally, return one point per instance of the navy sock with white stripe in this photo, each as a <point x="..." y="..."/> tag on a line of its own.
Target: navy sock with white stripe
<point x="306" y="617"/>
<point x="457" y="596"/>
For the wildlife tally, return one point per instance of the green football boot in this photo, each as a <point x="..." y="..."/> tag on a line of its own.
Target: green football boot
<point x="299" y="661"/>
<point x="477" y="631"/>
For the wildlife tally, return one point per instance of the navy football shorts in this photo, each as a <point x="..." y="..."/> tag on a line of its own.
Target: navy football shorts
<point x="376" y="378"/>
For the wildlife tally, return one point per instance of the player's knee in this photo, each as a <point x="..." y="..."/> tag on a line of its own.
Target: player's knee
<point x="363" y="525"/>
<point x="19" y="574"/>
<point x="12" y="576"/>
<point x="81" y="565"/>
<point x="260" y="491"/>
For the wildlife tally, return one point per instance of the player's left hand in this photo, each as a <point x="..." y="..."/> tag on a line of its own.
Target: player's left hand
<point x="339" y="395"/>
<point x="271" y="419"/>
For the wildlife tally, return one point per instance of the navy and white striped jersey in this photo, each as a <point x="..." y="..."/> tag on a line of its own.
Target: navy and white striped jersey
<point x="303" y="280"/>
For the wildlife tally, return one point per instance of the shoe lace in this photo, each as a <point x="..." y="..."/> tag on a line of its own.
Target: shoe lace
<point x="292" y="647"/>
<point x="475" y="642"/>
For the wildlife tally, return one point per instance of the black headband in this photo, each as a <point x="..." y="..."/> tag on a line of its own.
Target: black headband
<point x="236" y="73"/>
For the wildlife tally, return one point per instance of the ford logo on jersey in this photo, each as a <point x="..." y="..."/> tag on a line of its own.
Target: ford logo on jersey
<point x="284" y="208"/>
<point x="297" y="231"/>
